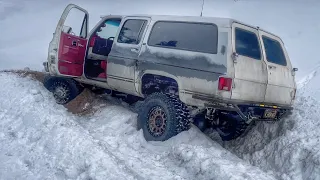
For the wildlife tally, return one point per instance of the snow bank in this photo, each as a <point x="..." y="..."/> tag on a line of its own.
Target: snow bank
<point x="290" y="148"/>
<point x="42" y="140"/>
<point x="309" y="85"/>
<point x="39" y="18"/>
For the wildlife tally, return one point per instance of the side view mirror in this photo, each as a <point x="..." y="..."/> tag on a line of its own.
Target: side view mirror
<point x="99" y="30"/>
<point x="294" y="70"/>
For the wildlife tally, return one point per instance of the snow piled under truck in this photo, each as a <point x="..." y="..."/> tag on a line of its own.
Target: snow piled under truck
<point x="97" y="138"/>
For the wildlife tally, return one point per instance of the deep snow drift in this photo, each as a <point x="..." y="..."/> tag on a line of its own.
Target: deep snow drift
<point x="290" y="148"/>
<point x="293" y="21"/>
<point x="42" y="140"/>
<point x="309" y="85"/>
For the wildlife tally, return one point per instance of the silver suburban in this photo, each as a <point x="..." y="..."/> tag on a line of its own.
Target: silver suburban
<point x="214" y="72"/>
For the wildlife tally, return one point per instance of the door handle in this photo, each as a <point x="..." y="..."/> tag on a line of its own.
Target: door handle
<point x="234" y="57"/>
<point x="272" y="67"/>
<point x="136" y="50"/>
<point x="137" y="62"/>
<point x="74" y="43"/>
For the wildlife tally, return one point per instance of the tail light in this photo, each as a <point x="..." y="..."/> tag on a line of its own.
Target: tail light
<point x="92" y="41"/>
<point x="225" y="84"/>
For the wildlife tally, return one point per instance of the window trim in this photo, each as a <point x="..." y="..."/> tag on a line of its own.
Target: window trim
<point x="258" y="40"/>
<point x="84" y="27"/>
<point x="139" y="33"/>
<point x="184" y="49"/>
<point x="284" y="55"/>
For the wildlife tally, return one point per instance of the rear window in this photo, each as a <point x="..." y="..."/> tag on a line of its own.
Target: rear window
<point x="185" y="36"/>
<point x="247" y="44"/>
<point x="274" y="51"/>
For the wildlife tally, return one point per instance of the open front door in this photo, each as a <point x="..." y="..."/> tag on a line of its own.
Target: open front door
<point x="68" y="47"/>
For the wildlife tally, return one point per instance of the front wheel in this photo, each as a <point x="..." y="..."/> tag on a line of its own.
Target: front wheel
<point x="64" y="90"/>
<point x="162" y="117"/>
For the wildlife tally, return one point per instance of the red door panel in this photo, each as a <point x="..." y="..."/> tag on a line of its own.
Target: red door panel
<point x="72" y="50"/>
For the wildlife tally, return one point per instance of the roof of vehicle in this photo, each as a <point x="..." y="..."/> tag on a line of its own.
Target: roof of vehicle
<point x="219" y="21"/>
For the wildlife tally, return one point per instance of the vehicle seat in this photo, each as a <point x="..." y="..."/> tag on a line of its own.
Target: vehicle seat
<point x="109" y="46"/>
<point x="102" y="46"/>
<point x="103" y="66"/>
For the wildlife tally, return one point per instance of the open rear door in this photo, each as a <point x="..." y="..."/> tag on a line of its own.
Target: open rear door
<point x="68" y="47"/>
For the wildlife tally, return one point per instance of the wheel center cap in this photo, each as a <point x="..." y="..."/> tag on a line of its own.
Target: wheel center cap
<point x="60" y="92"/>
<point x="158" y="121"/>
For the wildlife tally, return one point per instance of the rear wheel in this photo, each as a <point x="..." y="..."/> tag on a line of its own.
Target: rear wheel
<point x="162" y="117"/>
<point x="230" y="126"/>
<point x="64" y="90"/>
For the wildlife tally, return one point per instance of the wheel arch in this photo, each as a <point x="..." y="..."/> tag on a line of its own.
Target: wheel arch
<point x="160" y="74"/>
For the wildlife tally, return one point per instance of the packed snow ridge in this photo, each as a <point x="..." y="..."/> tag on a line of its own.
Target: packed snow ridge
<point x="42" y="140"/>
<point x="290" y="148"/>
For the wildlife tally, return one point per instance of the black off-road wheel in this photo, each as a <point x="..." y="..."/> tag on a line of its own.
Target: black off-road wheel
<point x="231" y="126"/>
<point x="162" y="116"/>
<point x="64" y="90"/>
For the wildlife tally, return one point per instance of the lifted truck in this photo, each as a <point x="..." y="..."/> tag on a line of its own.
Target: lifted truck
<point x="210" y="71"/>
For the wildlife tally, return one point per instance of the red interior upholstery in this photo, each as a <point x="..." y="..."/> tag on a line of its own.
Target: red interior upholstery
<point x="104" y="67"/>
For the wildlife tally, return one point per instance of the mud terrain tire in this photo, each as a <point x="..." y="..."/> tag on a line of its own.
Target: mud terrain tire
<point x="236" y="128"/>
<point x="162" y="116"/>
<point x="64" y="90"/>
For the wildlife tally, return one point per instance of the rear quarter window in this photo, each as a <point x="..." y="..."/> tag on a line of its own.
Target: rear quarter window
<point x="274" y="51"/>
<point x="190" y="36"/>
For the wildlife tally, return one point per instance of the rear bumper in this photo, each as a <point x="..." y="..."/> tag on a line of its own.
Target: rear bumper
<point x="248" y="111"/>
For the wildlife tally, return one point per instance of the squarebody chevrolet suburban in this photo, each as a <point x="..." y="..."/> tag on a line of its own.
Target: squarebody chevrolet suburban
<point x="213" y="72"/>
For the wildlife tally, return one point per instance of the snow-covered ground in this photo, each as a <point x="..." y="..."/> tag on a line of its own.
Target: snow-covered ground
<point x="42" y="140"/>
<point x="27" y="25"/>
<point x="290" y="148"/>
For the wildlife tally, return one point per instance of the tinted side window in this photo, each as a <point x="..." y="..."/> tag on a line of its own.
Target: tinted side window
<point x="186" y="36"/>
<point x="274" y="51"/>
<point x="247" y="44"/>
<point x="131" y="31"/>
